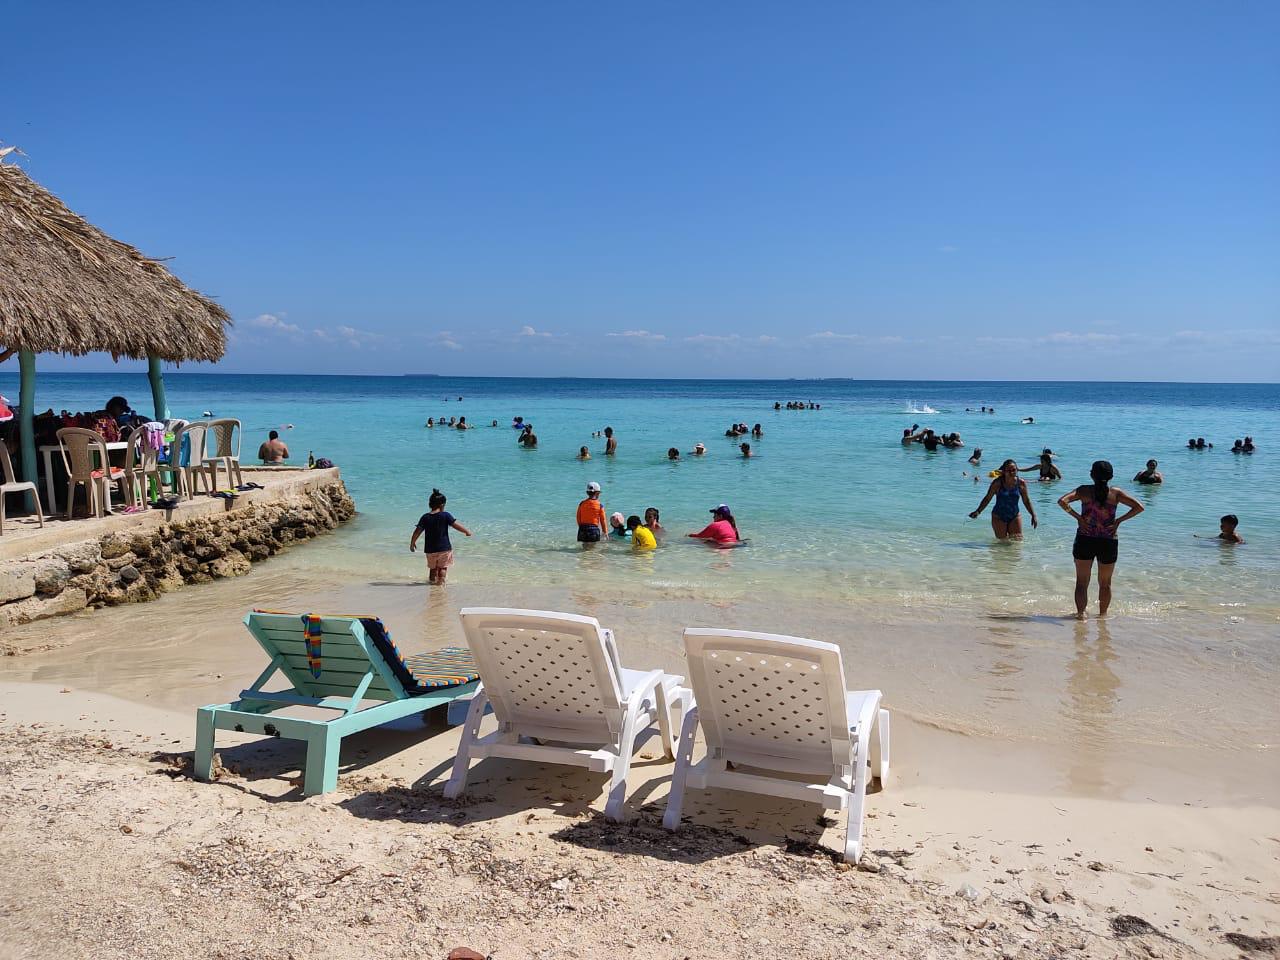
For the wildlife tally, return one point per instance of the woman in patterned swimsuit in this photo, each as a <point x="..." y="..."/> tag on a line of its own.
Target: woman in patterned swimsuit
<point x="1096" y="533"/>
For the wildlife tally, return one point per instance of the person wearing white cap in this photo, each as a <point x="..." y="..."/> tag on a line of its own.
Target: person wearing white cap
<point x="699" y="449"/>
<point x="591" y="522"/>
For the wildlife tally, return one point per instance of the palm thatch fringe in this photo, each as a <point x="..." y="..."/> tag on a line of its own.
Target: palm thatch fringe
<point x="67" y="287"/>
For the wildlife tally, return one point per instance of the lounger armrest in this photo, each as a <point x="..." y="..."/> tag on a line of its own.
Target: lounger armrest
<point x="647" y="683"/>
<point x="863" y="706"/>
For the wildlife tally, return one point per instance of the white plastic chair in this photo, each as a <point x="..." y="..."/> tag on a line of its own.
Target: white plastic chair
<point x="78" y="447"/>
<point x="9" y="484"/>
<point x="779" y="706"/>
<point x="141" y="462"/>
<point x="555" y="678"/>
<point x="187" y="474"/>
<point x="226" y="451"/>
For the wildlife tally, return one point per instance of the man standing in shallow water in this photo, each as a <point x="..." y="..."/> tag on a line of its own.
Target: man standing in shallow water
<point x="610" y="442"/>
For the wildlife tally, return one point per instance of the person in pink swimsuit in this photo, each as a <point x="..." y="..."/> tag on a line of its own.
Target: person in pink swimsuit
<point x="1097" y="524"/>
<point x="722" y="531"/>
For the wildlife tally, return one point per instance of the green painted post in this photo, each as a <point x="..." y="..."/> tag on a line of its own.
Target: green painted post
<point x="26" y="422"/>
<point x="157" y="389"/>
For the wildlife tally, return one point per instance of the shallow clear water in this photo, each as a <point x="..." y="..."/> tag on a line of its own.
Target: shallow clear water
<point x="834" y="506"/>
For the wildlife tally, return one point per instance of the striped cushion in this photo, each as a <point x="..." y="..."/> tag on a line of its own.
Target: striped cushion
<point x="450" y="667"/>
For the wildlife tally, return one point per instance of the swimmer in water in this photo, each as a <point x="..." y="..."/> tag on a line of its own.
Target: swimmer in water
<point x="976" y="457"/>
<point x="610" y="442"/>
<point x="1226" y="530"/>
<point x="722" y="530"/>
<point x="618" y="527"/>
<point x="642" y="537"/>
<point x="1048" y="469"/>
<point x="1028" y="419"/>
<point x="673" y="453"/>
<point x="431" y="422"/>
<point x="591" y="523"/>
<point x="584" y="453"/>
<point x="699" y="449"/>
<point x="757" y="431"/>
<point x="746" y="450"/>
<point x="1150" y="475"/>
<point x="1008" y="489"/>
<point x="652" y="521"/>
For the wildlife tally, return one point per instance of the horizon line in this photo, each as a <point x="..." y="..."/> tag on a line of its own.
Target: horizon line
<point x="434" y="376"/>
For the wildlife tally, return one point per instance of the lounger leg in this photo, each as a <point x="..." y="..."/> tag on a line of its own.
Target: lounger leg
<point x="857" y="803"/>
<point x="322" y="763"/>
<point x="204" y="744"/>
<point x="470" y="734"/>
<point x="880" y="749"/>
<point x="664" y="698"/>
<point x="684" y="760"/>
<point x="626" y="746"/>
<point x="71" y="496"/>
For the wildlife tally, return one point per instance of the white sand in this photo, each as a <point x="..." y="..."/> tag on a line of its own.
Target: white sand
<point x="112" y="851"/>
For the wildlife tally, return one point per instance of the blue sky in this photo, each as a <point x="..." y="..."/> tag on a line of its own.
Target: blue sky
<point x="934" y="190"/>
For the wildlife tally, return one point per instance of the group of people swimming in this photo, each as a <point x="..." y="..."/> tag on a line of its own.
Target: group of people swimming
<point x="797" y="405"/>
<point x="930" y="440"/>
<point x="646" y="533"/>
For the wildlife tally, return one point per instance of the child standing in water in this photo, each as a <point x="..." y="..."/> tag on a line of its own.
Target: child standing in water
<point x="434" y="527"/>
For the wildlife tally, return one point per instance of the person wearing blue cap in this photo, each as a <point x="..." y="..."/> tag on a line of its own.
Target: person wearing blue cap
<point x="722" y="530"/>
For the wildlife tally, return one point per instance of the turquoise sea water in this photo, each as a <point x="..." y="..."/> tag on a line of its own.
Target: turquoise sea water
<point x="835" y="507"/>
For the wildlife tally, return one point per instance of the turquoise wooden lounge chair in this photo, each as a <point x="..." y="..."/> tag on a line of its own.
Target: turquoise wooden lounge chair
<point x="333" y="663"/>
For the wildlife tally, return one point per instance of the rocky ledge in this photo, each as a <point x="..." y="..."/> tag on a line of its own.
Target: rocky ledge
<point x="133" y="565"/>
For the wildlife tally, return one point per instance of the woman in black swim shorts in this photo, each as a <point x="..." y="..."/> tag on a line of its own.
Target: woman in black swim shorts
<point x="1096" y="533"/>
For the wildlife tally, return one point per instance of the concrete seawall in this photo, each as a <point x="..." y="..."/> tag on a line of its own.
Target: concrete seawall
<point x="130" y="558"/>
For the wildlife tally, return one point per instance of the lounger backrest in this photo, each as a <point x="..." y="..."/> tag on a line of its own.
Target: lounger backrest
<point x="769" y="700"/>
<point x="346" y="653"/>
<point x="78" y="446"/>
<point x="549" y="672"/>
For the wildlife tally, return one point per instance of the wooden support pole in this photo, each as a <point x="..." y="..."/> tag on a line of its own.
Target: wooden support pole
<point x="26" y="422"/>
<point x="157" y="389"/>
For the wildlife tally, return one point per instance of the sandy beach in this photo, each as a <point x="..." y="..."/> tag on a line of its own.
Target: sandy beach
<point x="990" y="845"/>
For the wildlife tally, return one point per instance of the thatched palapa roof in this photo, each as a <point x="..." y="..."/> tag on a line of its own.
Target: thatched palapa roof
<point x="67" y="287"/>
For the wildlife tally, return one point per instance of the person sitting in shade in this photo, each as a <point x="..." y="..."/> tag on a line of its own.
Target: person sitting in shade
<point x="274" y="449"/>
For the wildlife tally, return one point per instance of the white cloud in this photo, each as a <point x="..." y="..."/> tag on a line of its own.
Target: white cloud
<point x="528" y="331"/>
<point x="832" y="335"/>
<point x="450" y="344"/>
<point x="947" y="248"/>
<point x="271" y="321"/>
<point x="640" y="335"/>
<point x="712" y="338"/>
<point x="1067" y="336"/>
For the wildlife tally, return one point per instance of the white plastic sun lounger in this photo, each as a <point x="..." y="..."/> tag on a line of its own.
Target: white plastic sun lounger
<point x="778" y="705"/>
<point x="560" y="695"/>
